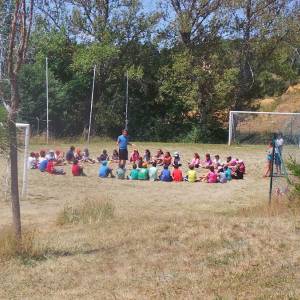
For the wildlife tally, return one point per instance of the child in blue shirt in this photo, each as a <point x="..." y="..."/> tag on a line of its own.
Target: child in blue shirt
<point x="43" y="165"/>
<point x="165" y="174"/>
<point x="104" y="170"/>
<point x="227" y="172"/>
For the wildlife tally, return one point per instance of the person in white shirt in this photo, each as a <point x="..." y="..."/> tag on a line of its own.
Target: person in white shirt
<point x="279" y="143"/>
<point x="32" y="162"/>
<point x="217" y="161"/>
<point x="50" y="155"/>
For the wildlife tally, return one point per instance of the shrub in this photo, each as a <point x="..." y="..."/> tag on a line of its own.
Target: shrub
<point x="294" y="167"/>
<point x="88" y="212"/>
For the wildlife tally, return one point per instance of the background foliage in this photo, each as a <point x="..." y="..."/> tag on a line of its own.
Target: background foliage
<point x="189" y="63"/>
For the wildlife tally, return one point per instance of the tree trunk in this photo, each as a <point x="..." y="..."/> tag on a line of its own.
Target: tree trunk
<point x="13" y="153"/>
<point x="204" y="106"/>
<point x="245" y="76"/>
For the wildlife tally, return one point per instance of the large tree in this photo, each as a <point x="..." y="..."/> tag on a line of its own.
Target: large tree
<point x="259" y="28"/>
<point x="19" y="33"/>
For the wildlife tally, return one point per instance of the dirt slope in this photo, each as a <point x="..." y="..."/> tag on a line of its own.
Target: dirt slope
<point x="288" y="102"/>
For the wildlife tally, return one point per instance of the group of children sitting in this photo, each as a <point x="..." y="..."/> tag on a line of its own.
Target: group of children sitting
<point x="47" y="161"/>
<point x="144" y="167"/>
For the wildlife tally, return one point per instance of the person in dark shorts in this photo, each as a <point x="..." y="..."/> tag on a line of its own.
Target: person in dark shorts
<point x="123" y="142"/>
<point x="70" y="155"/>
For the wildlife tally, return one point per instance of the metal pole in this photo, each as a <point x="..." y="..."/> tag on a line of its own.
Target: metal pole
<point x="92" y="101"/>
<point x="272" y="168"/>
<point x="127" y="98"/>
<point x="230" y="128"/>
<point x="47" y="95"/>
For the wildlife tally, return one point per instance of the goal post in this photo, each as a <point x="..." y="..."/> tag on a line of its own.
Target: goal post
<point x="255" y="127"/>
<point x="25" y="127"/>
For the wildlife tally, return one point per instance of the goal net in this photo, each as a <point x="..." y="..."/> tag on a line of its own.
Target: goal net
<point x="248" y="127"/>
<point x="278" y="133"/>
<point x="23" y="136"/>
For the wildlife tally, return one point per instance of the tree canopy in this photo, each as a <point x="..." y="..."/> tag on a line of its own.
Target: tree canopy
<point x="189" y="63"/>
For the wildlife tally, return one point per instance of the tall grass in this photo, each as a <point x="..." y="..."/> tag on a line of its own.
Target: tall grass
<point x="27" y="248"/>
<point x="88" y="212"/>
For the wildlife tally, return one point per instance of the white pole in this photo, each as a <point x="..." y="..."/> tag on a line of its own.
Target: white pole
<point x="25" y="175"/>
<point x="25" y="167"/>
<point x="92" y="101"/>
<point x="126" y="108"/>
<point x="230" y="128"/>
<point x="47" y="96"/>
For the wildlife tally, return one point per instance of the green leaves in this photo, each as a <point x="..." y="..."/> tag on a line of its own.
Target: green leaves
<point x="95" y="54"/>
<point x="187" y="65"/>
<point x="135" y="72"/>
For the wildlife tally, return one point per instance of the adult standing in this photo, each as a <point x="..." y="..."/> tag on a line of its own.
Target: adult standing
<point x="122" y="143"/>
<point x="279" y="143"/>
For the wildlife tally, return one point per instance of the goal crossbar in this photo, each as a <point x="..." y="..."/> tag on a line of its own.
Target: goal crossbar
<point x="264" y="112"/>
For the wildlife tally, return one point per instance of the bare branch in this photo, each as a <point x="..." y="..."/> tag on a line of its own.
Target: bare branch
<point x="12" y="37"/>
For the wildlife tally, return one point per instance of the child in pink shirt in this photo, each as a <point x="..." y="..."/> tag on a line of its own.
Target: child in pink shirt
<point x="212" y="177"/>
<point x="207" y="162"/>
<point x="230" y="162"/>
<point x="195" y="161"/>
<point x="135" y="156"/>
<point x="241" y="165"/>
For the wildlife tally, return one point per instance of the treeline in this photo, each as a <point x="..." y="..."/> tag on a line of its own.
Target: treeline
<point x="189" y="62"/>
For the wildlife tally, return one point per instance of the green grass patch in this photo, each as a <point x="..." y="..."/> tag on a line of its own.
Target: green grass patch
<point x="88" y="212"/>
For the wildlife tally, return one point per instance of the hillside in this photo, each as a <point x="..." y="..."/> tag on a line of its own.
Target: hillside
<point x="259" y="128"/>
<point x="288" y="102"/>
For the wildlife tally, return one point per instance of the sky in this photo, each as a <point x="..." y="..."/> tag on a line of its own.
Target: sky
<point x="149" y="5"/>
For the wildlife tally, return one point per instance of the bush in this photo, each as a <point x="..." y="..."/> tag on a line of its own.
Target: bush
<point x="89" y="212"/>
<point x="294" y="167"/>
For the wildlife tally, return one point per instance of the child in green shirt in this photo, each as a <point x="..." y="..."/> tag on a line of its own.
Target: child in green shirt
<point x="143" y="173"/>
<point x="134" y="174"/>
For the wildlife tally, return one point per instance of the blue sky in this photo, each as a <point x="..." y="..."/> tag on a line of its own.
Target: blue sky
<point x="149" y="5"/>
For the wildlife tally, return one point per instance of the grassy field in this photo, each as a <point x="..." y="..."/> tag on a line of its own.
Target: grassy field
<point x="154" y="240"/>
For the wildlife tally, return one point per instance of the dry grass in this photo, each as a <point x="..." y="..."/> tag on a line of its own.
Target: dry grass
<point x="156" y="240"/>
<point x="288" y="102"/>
<point x="26" y="249"/>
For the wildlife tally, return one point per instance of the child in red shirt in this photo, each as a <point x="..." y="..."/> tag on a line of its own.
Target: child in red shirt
<point x="177" y="174"/>
<point x="76" y="169"/>
<point x="51" y="170"/>
<point x="50" y="167"/>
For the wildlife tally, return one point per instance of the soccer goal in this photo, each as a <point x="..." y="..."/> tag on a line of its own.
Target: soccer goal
<point x="249" y="127"/>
